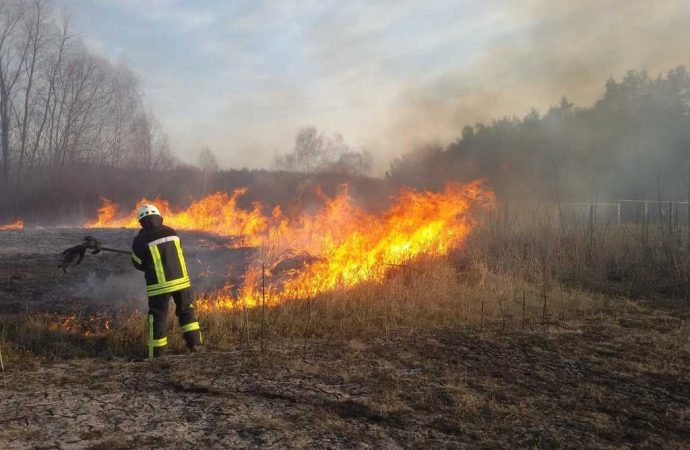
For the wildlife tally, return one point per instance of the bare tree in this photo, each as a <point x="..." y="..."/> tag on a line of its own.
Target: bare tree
<point x="148" y="147"/>
<point x="208" y="164"/>
<point x="207" y="160"/>
<point x="46" y="95"/>
<point x="13" y="53"/>
<point x="308" y="149"/>
<point x="61" y="106"/>
<point x="316" y="152"/>
<point x="34" y="25"/>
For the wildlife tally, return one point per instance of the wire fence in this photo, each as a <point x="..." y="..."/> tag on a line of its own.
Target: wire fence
<point x="621" y="212"/>
<point x="627" y="212"/>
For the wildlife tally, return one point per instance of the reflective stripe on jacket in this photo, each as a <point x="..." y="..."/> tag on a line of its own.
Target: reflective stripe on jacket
<point x="157" y="252"/>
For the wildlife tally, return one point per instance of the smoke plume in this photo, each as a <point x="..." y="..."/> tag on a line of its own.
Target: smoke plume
<point x="544" y="50"/>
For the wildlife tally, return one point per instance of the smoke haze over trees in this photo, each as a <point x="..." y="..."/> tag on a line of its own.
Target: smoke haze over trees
<point x="62" y="106"/>
<point x="74" y="125"/>
<point x="634" y="142"/>
<point x="316" y="152"/>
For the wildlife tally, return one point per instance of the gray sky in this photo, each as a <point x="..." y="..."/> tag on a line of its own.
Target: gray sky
<point x="243" y="76"/>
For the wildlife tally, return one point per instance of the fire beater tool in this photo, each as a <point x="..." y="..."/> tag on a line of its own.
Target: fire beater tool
<point x="73" y="255"/>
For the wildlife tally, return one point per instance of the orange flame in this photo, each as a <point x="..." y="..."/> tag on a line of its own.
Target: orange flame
<point x="72" y="324"/>
<point x="217" y="213"/>
<point x="354" y="246"/>
<point x="348" y="245"/>
<point x="18" y="225"/>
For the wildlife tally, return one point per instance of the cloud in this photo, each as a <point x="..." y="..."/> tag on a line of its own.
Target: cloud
<point x="95" y="44"/>
<point x="243" y="76"/>
<point x="183" y="16"/>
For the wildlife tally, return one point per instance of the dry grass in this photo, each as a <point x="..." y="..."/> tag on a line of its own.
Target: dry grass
<point x="525" y="338"/>
<point x="507" y="278"/>
<point x="635" y="261"/>
<point x="616" y="382"/>
<point x="429" y="293"/>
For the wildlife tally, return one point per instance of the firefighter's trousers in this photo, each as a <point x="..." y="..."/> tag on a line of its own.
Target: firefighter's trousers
<point x="157" y="321"/>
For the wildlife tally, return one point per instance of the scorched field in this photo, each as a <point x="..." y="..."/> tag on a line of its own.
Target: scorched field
<point x="434" y="323"/>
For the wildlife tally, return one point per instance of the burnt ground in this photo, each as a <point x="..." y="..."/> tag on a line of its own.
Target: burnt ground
<point x="618" y="380"/>
<point x="106" y="283"/>
<point x="604" y="384"/>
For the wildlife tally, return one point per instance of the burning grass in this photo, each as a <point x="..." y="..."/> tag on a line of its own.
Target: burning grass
<point x="426" y="294"/>
<point x="347" y="245"/>
<point x="503" y="278"/>
<point x="16" y="225"/>
<point x="359" y="266"/>
<point x="217" y="213"/>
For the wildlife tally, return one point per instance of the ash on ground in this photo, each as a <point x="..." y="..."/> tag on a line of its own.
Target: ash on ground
<point x="32" y="282"/>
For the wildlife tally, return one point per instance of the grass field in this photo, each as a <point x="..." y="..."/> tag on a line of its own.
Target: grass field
<point x="532" y="336"/>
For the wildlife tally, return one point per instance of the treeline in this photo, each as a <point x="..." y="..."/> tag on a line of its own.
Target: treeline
<point x="74" y="201"/>
<point x="61" y="106"/>
<point x="634" y="142"/>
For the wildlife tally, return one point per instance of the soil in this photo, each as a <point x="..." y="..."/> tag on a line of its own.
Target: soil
<point x="602" y="385"/>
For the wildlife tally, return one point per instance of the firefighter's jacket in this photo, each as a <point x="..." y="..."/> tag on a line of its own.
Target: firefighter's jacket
<point x="157" y="252"/>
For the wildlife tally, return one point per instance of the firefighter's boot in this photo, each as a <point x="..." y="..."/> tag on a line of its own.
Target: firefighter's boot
<point x="193" y="339"/>
<point x="159" y="352"/>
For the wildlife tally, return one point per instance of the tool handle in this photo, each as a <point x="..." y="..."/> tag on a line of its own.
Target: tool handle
<point x="115" y="250"/>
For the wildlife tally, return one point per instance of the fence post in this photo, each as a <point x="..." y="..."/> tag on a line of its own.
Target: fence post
<point x="618" y="213"/>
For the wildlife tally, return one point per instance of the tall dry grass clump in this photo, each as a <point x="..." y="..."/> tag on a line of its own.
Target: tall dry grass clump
<point x="425" y="294"/>
<point x="641" y="261"/>
<point x="428" y="293"/>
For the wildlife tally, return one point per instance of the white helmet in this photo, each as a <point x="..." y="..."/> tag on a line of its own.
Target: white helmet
<point x="147" y="210"/>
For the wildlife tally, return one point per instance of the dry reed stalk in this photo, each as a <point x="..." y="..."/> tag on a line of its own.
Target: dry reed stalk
<point x="246" y="325"/>
<point x="481" y="324"/>
<point x="385" y="314"/>
<point x="2" y="366"/>
<point x="544" y="312"/>
<point x="263" y="305"/>
<point x="307" y="328"/>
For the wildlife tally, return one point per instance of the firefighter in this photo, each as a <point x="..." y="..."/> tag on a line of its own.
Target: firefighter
<point x="157" y="252"/>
